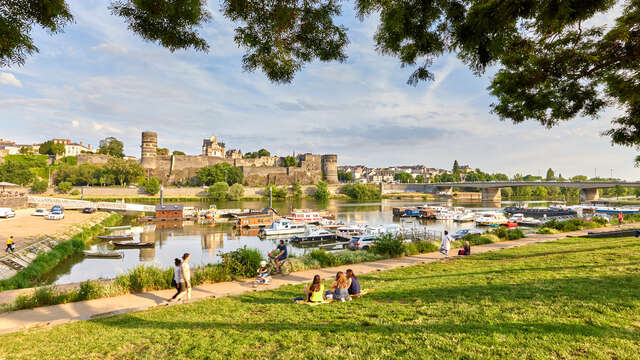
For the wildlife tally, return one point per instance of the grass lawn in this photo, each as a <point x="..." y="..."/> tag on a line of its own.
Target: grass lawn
<point x="573" y="298"/>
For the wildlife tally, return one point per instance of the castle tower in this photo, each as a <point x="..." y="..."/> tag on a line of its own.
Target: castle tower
<point x="330" y="168"/>
<point x="149" y="149"/>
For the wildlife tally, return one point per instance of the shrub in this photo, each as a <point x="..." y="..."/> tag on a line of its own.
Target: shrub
<point x="322" y="191"/>
<point x="39" y="187"/>
<point x="64" y="187"/>
<point x="475" y="239"/>
<point x="236" y="192"/>
<point x="75" y="192"/>
<point x="362" y="192"/>
<point x="218" y="191"/>
<point x="145" y="278"/>
<point x="514" y="234"/>
<point x="426" y="246"/>
<point x="242" y="262"/>
<point x="276" y="192"/>
<point x="389" y="245"/>
<point x="151" y="185"/>
<point x="323" y="258"/>
<point x="600" y="220"/>
<point x="546" y="230"/>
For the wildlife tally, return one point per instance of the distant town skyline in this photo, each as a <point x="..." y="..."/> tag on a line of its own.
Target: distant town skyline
<point x="98" y="80"/>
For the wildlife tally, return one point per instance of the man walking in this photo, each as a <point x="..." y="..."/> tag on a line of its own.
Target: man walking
<point x="10" y="245"/>
<point x="445" y="246"/>
<point x="186" y="273"/>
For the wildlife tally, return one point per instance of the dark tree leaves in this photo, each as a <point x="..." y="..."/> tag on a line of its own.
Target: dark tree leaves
<point x="282" y="35"/>
<point x="17" y="18"/>
<point x="172" y="23"/>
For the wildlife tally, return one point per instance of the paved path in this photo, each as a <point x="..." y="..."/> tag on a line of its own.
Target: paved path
<point x="85" y="310"/>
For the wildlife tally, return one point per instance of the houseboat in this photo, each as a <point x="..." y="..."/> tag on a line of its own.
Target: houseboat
<point x="345" y="233"/>
<point x="261" y="219"/>
<point x="406" y="212"/>
<point x="305" y="216"/>
<point x="547" y="211"/>
<point x="171" y="212"/>
<point x="314" y="236"/>
<point x="491" y="219"/>
<point x="283" y="227"/>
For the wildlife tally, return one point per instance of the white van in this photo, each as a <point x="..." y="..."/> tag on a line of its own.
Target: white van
<point x="7" y="213"/>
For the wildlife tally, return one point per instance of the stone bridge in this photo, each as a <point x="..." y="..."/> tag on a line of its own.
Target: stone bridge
<point x="491" y="189"/>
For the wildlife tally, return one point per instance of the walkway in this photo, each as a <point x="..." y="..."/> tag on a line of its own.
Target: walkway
<point x="85" y="310"/>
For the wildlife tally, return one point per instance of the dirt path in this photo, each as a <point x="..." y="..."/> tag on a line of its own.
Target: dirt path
<point x="85" y="310"/>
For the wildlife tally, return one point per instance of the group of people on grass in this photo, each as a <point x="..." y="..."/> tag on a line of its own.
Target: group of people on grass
<point x="181" y="278"/>
<point x="343" y="288"/>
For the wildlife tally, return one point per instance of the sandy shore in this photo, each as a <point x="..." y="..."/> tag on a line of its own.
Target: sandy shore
<point x="27" y="229"/>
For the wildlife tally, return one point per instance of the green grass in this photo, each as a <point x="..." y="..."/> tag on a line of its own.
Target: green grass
<point x="569" y="299"/>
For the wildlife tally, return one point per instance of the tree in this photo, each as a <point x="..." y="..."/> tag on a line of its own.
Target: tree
<point x="236" y="192"/>
<point x="579" y="178"/>
<point x="403" y="177"/>
<point x="618" y="190"/>
<point x="218" y="191"/>
<point x="289" y="161"/>
<point x="51" y="148"/>
<point x="258" y="154"/>
<point x="151" y="185"/>
<point x="220" y="172"/>
<point x="111" y="146"/>
<point x="420" y="179"/>
<point x="178" y="152"/>
<point x="539" y="192"/>
<point x="550" y="175"/>
<point x="26" y="150"/>
<point x="322" y="191"/>
<point x="296" y="189"/>
<point x="39" y="187"/>
<point x="276" y="192"/>
<point x="162" y="151"/>
<point x="124" y="171"/>
<point x="456" y="167"/>
<point x="16" y="172"/>
<point x="345" y="176"/>
<point x="64" y="187"/>
<point x="636" y="192"/>
<point x="361" y="191"/>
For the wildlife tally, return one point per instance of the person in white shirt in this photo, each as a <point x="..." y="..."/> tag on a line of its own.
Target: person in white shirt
<point x="445" y="246"/>
<point x="178" y="281"/>
<point x="186" y="273"/>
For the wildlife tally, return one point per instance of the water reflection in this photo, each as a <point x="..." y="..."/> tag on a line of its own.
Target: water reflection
<point x="205" y="242"/>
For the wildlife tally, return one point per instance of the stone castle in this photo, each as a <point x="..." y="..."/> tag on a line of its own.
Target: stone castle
<point x="257" y="172"/>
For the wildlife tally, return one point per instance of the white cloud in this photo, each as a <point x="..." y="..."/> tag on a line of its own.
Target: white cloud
<point x="9" y="79"/>
<point x="112" y="48"/>
<point x="75" y="123"/>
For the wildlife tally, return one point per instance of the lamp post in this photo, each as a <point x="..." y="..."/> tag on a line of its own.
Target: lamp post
<point x="161" y="195"/>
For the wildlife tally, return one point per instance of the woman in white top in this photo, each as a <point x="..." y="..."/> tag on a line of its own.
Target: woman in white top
<point x="178" y="280"/>
<point x="445" y="246"/>
<point x="186" y="273"/>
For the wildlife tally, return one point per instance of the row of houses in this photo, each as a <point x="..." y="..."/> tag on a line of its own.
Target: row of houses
<point x="8" y="147"/>
<point x="363" y="174"/>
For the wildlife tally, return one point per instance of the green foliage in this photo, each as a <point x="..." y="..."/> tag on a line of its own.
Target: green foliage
<point x="123" y="171"/>
<point x="69" y="160"/>
<point x="322" y="191"/>
<point x="618" y="190"/>
<point x="550" y="175"/>
<point x="475" y="239"/>
<point x="236" y="192"/>
<point x="570" y="225"/>
<point x="75" y="192"/>
<point x="289" y="161"/>
<point x="359" y="191"/>
<point x="220" y="172"/>
<point x="324" y="258"/>
<point x="579" y="178"/>
<point x="257" y="154"/>
<point x="39" y="187"/>
<point x="507" y="234"/>
<point x="242" y="262"/>
<point x="547" y="231"/>
<point x="64" y="187"/>
<point x="145" y="278"/>
<point x="16" y="172"/>
<point x="51" y="148"/>
<point x="345" y="176"/>
<point x="111" y="146"/>
<point x="403" y="177"/>
<point x="296" y="189"/>
<point x="162" y="151"/>
<point x="455" y="169"/>
<point x="276" y="192"/>
<point x="218" y="191"/>
<point x="178" y="152"/>
<point x="29" y="161"/>
<point x="636" y="192"/>
<point x="419" y="179"/>
<point x="151" y="185"/>
<point x="388" y="245"/>
<point x="26" y="150"/>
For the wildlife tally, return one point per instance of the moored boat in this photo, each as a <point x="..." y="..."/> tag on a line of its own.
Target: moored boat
<point x="314" y="236"/>
<point x="100" y="254"/>
<point x="491" y="219"/>
<point x="132" y="244"/>
<point x="283" y="227"/>
<point x="113" y="228"/>
<point x="308" y="217"/>
<point x="115" y="237"/>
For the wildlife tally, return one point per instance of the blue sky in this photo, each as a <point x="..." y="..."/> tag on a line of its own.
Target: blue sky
<point x="97" y="79"/>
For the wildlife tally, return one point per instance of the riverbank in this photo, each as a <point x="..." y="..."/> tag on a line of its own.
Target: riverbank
<point x="567" y="299"/>
<point x="24" y="268"/>
<point x="16" y="320"/>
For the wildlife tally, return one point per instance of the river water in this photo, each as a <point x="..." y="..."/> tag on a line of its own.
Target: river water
<point x="205" y="242"/>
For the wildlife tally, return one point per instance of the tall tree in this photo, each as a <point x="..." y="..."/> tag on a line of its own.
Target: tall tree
<point x="51" y="148"/>
<point x="456" y="167"/>
<point x="111" y="146"/>
<point x="550" y="175"/>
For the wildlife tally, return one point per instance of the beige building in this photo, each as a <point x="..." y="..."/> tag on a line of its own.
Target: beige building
<point x="73" y="149"/>
<point x="211" y="147"/>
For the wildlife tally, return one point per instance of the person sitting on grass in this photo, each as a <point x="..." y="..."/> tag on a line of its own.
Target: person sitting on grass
<point x="315" y="290"/>
<point x="340" y="287"/>
<point x="354" y="286"/>
<point x="466" y="250"/>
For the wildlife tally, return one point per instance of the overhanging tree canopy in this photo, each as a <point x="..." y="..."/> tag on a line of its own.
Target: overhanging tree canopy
<point x="552" y="66"/>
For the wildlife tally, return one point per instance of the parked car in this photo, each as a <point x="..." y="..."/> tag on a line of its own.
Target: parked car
<point x="89" y="210"/>
<point x="363" y="242"/>
<point x="464" y="232"/>
<point x="7" y="213"/>
<point x="57" y="208"/>
<point x="57" y="213"/>
<point x="40" y="212"/>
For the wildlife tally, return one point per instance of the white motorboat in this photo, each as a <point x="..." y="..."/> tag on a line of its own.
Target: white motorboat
<point x="524" y="220"/>
<point x="284" y="227"/>
<point x="491" y="218"/>
<point x="464" y="217"/>
<point x="348" y="231"/>
<point x="445" y="215"/>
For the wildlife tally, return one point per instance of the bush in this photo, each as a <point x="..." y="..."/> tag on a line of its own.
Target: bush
<point x="145" y="278"/>
<point x="276" y="192"/>
<point x="242" y="262"/>
<point x="362" y="192"/>
<point x="39" y="187"/>
<point x="323" y="258"/>
<point x="64" y="187"/>
<point x="218" y="191"/>
<point x="546" y="230"/>
<point x="75" y="192"/>
<point x="475" y="239"/>
<point x="151" y="185"/>
<point x="322" y="191"/>
<point x="389" y="245"/>
<point x="236" y="192"/>
<point x="507" y="234"/>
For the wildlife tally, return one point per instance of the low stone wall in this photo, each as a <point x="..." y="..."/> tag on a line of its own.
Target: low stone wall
<point x="14" y="202"/>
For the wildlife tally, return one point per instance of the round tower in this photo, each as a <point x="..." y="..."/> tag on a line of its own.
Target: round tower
<point x="330" y="168"/>
<point x="149" y="149"/>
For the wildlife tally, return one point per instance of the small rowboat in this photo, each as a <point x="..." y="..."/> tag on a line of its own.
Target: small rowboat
<point x="115" y="237"/>
<point x="132" y="244"/>
<point x="112" y="228"/>
<point x="106" y="255"/>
